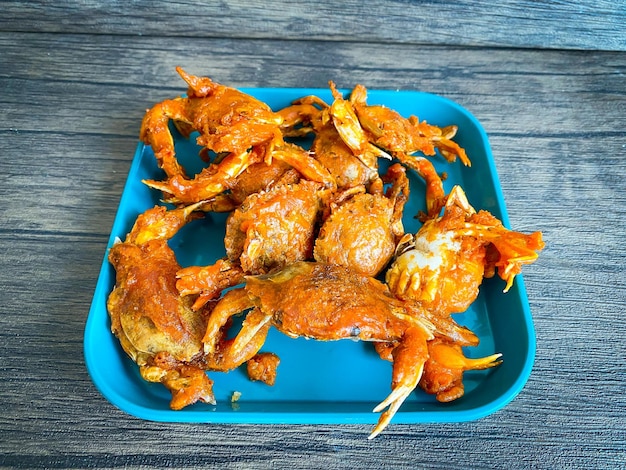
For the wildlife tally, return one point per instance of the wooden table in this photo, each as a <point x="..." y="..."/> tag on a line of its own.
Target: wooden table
<point x="546" y="79"/>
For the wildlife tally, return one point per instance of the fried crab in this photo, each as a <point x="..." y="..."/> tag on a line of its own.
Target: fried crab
<point x="239" y="129"/>
<point x="269" y="231"/>
<point x="155" y="325"/>
<point x="443" y="265"/>
<point x="362" y="231"/>
<point x="347" y="305"/>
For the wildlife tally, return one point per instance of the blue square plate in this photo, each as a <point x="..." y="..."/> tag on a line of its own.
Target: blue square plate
<point x="324" y="382"/>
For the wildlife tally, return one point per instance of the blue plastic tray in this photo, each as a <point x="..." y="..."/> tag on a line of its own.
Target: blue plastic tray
<point x="324" y="382"/>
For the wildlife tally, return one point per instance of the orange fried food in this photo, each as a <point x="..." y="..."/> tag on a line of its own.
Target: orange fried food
<point x="240" y="129"/>
<point x="443" y="265"/>
<point x="332" y="152"/>
<point x="157" y="327"/>
<point x="329" y="302"/>
<point x="392" y="132"/>
<point x="263" y="367"/>
<point x="311" y="114"/>
<point x="349" y="149"/>
<point x="188" y="384"/>
<point x="209" y="281"/>
<point x="212" y="182"/>
<point x="262" y="177"/>
<point x="274" y="228"/>
<point x="362" y="232"/>
<point x="351" y="131"/>
<point x="307" y="232"/>
<point x="351" y="120"/>
<point x="443" y="370"/>
<point x="227" y="119"/>
<point x="270" y="230"/>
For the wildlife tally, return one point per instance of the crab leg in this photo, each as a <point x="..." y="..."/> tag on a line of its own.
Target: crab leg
<point x="515" y="248"/>
<point x="229" y="356"/>
<point x="435" y="195"/>
<point x="208" y="281"/>
<point x="209" y="183"/>
<point x="217" y="178"/>
<point x="302" y="161"/>
<point x="253" y="326"/>
<point x="223" y="354"/>
<point x="297" y="118"/>
<point x="233" y="302"/>
<point x="408" y="363"/>
<point x="450" y="150"/>
<point x="399" y="193"/>
<point x="443" y="371"/>
<point x="200" y="86"/>
<point x="154" y="132"/>
<point x="450" y="355"/>
<point x="187" y="386"/>
<point x="349" y="128"/>
<point x="160" y="224"/>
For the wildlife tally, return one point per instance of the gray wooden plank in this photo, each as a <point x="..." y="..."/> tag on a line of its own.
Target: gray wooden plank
<point x="594" y="25"/>
<point x="71" y="109"/>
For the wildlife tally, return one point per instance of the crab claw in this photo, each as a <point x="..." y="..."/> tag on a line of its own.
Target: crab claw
<point x="452" y="356"/>
<point x="207" y="184"/>
<point x="198" y="86"/>
<point x="349" y="128"/>
<point x="160" y="224"/>
<point x="408" y="364"/>
<point x="443" y="371"/>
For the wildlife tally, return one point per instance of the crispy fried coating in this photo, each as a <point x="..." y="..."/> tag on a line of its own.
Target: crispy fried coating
<point x="274" y="228"/>
<point x="263" y="367"/>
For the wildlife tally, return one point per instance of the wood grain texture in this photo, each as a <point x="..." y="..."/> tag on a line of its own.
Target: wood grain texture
<point x="70" y="112"/>
<point x="593" y="25"/>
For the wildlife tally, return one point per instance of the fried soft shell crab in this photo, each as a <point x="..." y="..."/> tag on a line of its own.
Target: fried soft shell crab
<point x="320" y="223"/>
